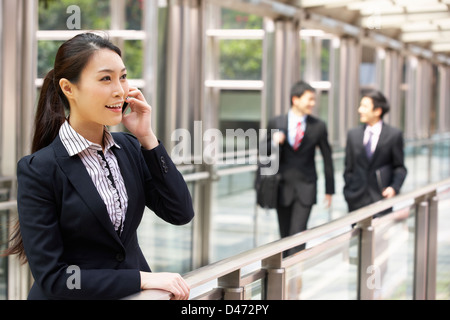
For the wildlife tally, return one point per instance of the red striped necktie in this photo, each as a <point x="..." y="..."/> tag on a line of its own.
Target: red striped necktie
<point x="298" y="136"/>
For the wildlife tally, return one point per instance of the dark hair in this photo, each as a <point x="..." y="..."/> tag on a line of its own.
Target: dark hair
<point x="71" y="58"/>
<point x="378" y="100"/>
<point x="299" y="88"/>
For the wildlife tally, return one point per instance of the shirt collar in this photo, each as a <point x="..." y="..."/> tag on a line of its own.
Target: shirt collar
<point x="76" y="143"/>
<point x="376" y="128"/>
<point x="295" y="118"/>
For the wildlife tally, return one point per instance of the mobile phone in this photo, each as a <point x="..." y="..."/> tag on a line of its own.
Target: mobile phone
<point x="124" y="107"/>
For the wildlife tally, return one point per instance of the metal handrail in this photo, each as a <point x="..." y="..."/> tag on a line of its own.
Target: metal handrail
<point x="226" y="266"/>
<point x="8" y="205"/>
<point x="229" y="265"/>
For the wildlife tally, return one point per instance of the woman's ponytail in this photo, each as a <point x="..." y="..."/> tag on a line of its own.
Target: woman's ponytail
<point x="50" y="113"/>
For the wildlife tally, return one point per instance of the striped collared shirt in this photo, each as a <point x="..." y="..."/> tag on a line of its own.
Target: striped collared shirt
<point x="103" y="169"/>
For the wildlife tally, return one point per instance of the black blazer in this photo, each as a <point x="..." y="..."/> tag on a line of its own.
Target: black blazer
<point x="64" y="221"/>
<point x="298" y="168"/>
<point x="361" y="184"/>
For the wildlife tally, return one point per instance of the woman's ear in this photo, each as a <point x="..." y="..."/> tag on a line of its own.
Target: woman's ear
<point x="66" y="87"/>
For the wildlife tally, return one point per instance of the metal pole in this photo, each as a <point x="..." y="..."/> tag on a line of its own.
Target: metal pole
<point x="276" y="277"/>
<point x="420" y="252"/>
<point x="366" y="285"/>
<point x="432" y="248"/>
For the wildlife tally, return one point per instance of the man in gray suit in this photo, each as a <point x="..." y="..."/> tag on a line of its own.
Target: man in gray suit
<point x="299" y="135"/>
<point x="374" y="159"/>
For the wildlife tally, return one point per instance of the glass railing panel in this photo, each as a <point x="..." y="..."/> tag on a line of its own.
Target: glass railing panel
<point x="253" y="291"/>
<point x="443" y="250"/>
<point x="330" y="275"/>
<point x="233" y="214"/>
<point x="166" y="247"/>
<point x="393" y="270"/>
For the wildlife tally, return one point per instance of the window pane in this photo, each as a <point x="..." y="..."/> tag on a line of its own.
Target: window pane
<point x="46" y="56"/>
<point x="240" y="59"/>
<point x="239" y="110"/>
<point x="133" y="58"/>
<point x="325" y="60"/>
<point x="303" y="51"/>
<point x="367" y="69"/>
<point x="323" y="106"/>
<point x="238" y="20"/>
<point x="134" y="9"/>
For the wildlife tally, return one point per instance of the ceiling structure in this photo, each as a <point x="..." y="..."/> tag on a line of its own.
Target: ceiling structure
<point x="420" y="26"/>
<point x="425" y="23"/>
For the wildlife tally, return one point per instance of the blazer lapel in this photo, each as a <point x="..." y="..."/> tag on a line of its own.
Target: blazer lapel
<point x="360" y="143"/>
<point x="76" y="172"/>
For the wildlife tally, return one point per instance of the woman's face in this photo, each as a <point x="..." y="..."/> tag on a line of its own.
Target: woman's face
<point x="101" y="91"/>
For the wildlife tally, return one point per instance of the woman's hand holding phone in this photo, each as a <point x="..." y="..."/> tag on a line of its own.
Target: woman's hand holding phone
<point x="138" y="120"/>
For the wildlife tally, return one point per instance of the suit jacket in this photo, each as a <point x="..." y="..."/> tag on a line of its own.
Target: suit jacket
<point x="64" y="221"/>
<point x="360" y="177"/>
<point x="298" y="168"/>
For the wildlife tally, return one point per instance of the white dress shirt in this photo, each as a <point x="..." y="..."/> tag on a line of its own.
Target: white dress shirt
<point x="293" y="120"/>
<point x="100" y="167"/>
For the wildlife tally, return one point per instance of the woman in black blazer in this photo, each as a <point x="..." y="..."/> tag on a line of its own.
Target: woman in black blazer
<point x="82" y="192"/>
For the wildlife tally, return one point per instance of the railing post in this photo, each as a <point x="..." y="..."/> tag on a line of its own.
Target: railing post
<point x="432" y="248"/>
<point x="420" y="251"/>
<point x="276" y="277"/>
<point x="231" y="286"/>
<point x="366" y="261"/>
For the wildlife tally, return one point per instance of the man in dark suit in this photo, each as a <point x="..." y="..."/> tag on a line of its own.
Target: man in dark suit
<point x="374" y="159"/>
<point x="298" y="137"/>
